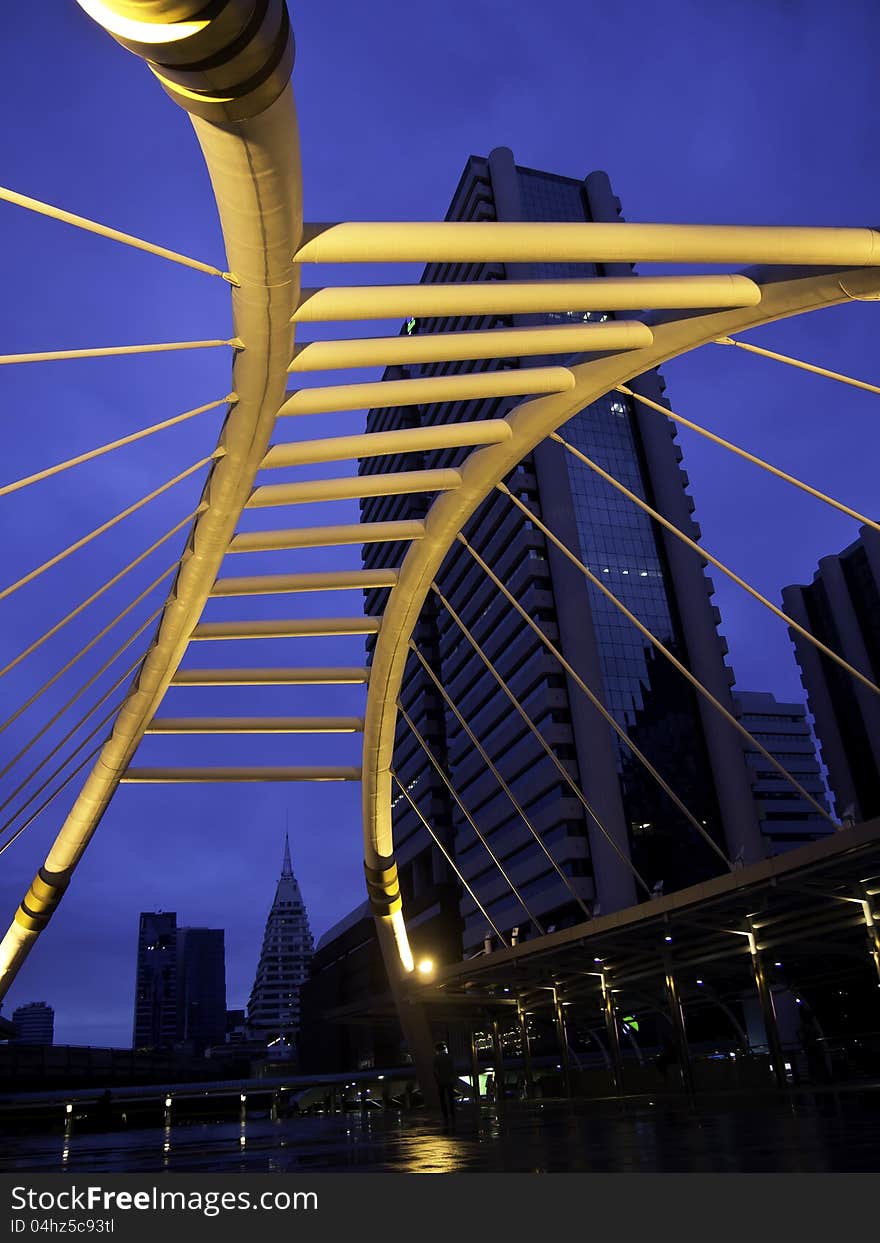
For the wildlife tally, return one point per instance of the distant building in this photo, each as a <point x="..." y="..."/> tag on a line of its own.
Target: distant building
<point x="347" y="983"/>
<point x="785" y="817"/>
<point x="180" y="995"/>
<point x="842" y="608"/>
<point x="34" y="1023"/>
<point x="274" y="1006"/>
<point x="236" y="1026"/>
<point x="201" y="987"/>
<point x="155" y="1007"/>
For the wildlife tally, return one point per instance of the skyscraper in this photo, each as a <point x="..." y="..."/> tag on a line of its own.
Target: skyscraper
<point x="180" y="994"/>
<point x="155" y="1008"/>
<point x="786" y="818"/>
<point x="34" y="1023"/>
<point x="201" y="987"/>
<point x="274" y="1006"/>
<point x="841" y="607"/>
<point x="661" y="582"/>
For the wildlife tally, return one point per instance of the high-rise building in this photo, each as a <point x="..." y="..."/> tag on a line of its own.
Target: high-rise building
<point x="663" y="583"/>
<point x="787" y="819"/>
<point x="201" y="987"/>
<point x="841" y="607"/>
<point x="180" y="994"/>
<point x="156" y="1023"/>
<point x="34" y="1023"/>
<point x="274" y="1006"/>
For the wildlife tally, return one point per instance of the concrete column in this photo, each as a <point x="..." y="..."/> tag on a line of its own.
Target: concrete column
<point x="527" y="1053"/>
<point x="412" y="1015"/>
<point x="834" y="753"/>
<point x="872" y="929"/>
<point x="498" y="1052"/>
<point x="676" y="1014"/>
<point x="768" y="1013"/>
<point x="562" y="1037"/>
<point x="475" y="1067"/>
<point x="609" y="1011"/>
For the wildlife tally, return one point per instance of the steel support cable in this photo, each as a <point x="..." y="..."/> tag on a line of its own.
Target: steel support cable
<point x="113" y="444"/>
<point x="60" y="767"/>
<point x="799" y="363"/>
<point x="82" y="690"/>
<point x="449" y="859"/>
<point x="551" y="754"/>
<point x="103" y="230"/>
<point x="66" y="782"/>
<point x="111" y="582"/>
<point x="599" y="706"/>
<point x="749" y="457"/>
<point x="443" y="777"/>
<point x="707" y="556"/>
<point x="82" y="720"/>
<point x="652" y="638"/>
<point x="111" y="351"/>
<point x="106" y="526"/>
<point x="87" y="648"/>
<point x="500" y="779"/>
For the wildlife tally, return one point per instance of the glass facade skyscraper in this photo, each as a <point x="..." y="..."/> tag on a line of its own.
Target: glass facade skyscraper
<point x="695" y="752"/>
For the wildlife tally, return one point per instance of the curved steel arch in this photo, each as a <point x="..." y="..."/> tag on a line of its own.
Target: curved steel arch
<point x="785" y="293"/>
<point x="251" y="147"/>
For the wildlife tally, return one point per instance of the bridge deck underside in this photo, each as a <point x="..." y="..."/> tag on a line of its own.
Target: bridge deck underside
<point x="803" y="907"/>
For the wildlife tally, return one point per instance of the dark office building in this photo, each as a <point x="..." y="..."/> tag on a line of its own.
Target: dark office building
<point x="155" y="1008"/>
<point x="34" y="1023"/>
<point x="662" y="582"/>
<point x="842" y="608"/>
<point x="180" y="995"/>
<point x="787" y="819"/>
<point x="347" y="974"/>
<point x="201" y="987"/>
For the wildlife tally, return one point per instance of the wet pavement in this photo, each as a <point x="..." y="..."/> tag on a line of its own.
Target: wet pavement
<point x="806" y="1132"/>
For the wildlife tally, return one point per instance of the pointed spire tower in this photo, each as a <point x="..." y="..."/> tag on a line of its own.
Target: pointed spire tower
<point x="273" y="1009"/>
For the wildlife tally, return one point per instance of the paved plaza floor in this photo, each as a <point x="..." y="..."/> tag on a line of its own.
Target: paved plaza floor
<point x="825" y="1130"/>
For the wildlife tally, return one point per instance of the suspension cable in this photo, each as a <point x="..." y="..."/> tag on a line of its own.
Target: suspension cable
<point x="77" y="694"/>
<point x="82" y="720"/>
<point x="749" y="457"/>
<point x="88" y="646"/>
<point x="106" y="526"/>
<point x="599" y="706"/>
<point x="113" y="444"/>
<point x="66" y="782"/>
<point x="443" y="777"/>
<point x="110" y="351"/>
<point x="702" y="552"/>
<point x="673" y="660"/>
<point x="103" y="230"/>
<point x="60" y="767"/>
<point x="111" y="582"/>
<point x="499" y="778"/>
<point x="551" y="754"/>
<point x="449" y="859"/>
<point x="797" y="362"/>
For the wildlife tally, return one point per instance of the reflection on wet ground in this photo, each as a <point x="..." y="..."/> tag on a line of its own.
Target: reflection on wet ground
<point x="837" y="1131"/>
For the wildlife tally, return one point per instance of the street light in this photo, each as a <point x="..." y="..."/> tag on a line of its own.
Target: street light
<point x="426" y="967"/>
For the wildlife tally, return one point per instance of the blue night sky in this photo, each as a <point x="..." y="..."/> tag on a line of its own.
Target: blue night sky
<point x="756" y="113"/>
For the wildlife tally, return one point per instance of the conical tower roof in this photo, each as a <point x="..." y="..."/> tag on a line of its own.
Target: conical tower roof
<point x="273" y="1009"/>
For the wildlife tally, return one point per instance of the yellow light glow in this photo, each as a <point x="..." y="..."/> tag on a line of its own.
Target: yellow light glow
<point x="426" y="966"/>
<point x="140" y="32"/>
